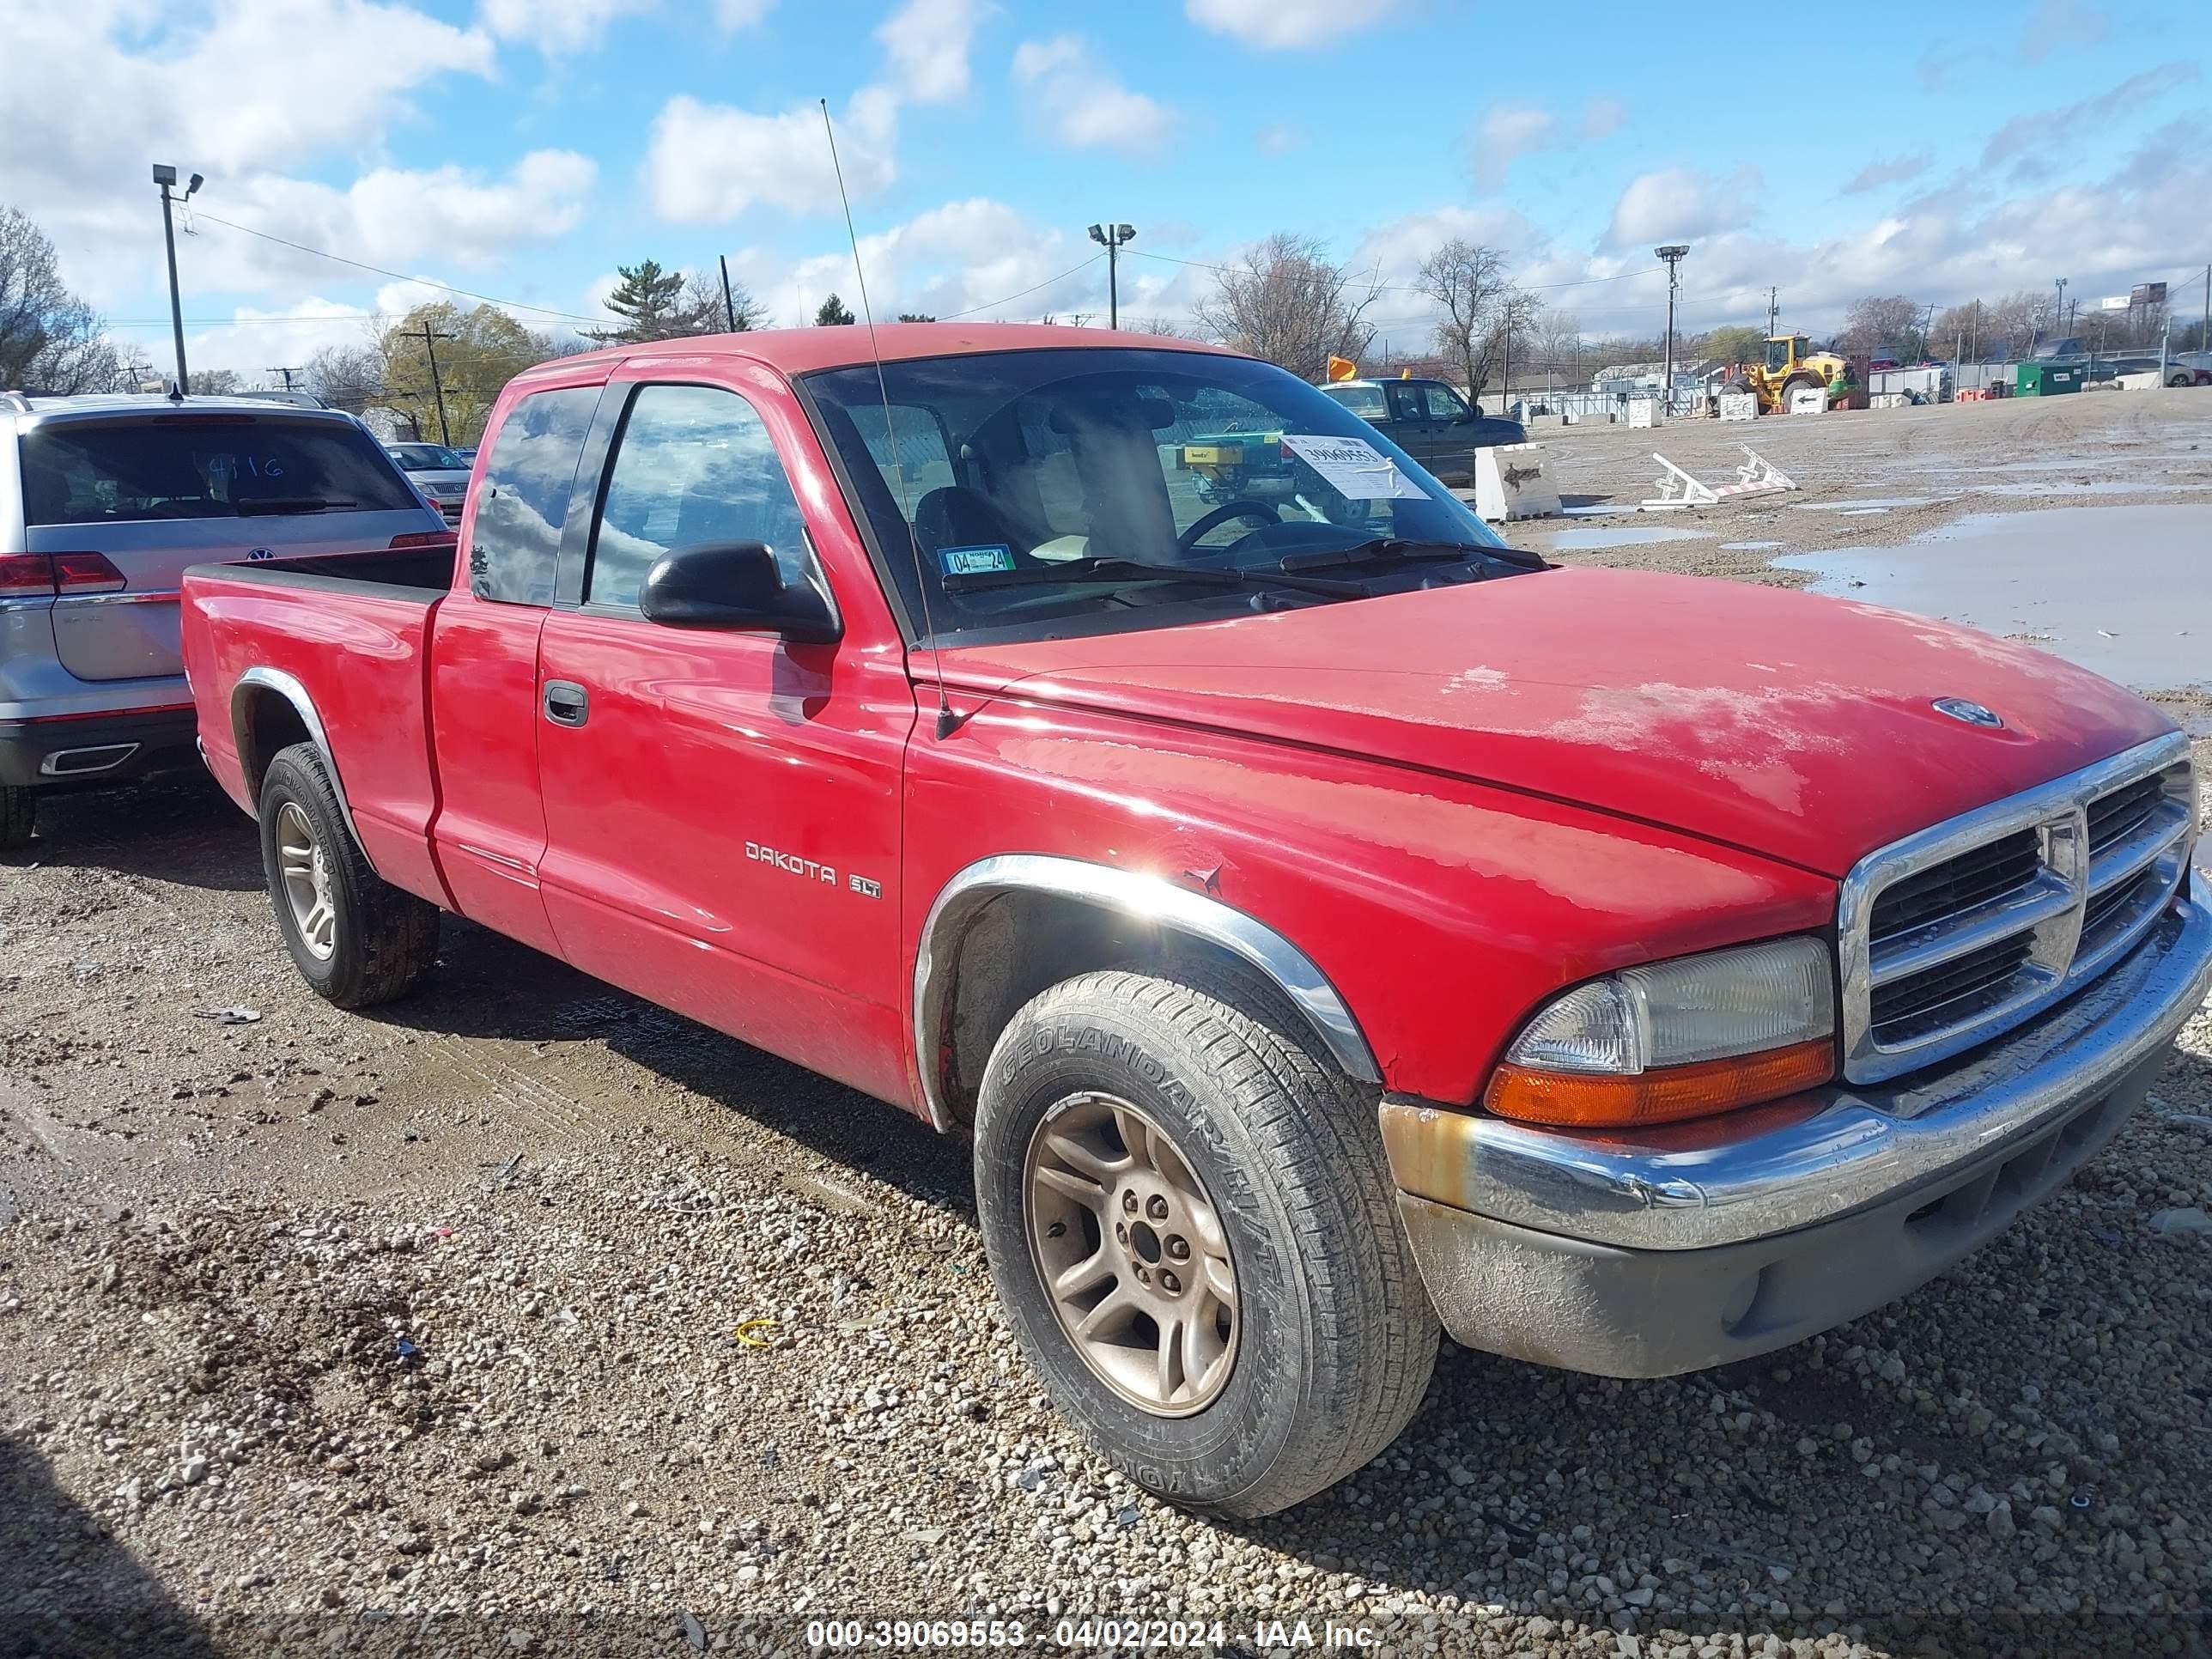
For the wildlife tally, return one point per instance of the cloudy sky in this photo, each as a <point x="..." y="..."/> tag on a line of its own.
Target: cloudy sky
<point x="522" y="149"/>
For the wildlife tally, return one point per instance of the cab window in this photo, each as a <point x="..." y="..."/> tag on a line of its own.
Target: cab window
<point x="523" y="500"/>
<point x="695" y="464"/>
<point x="1445" y="403"/>
<point x="1365" y="401"/>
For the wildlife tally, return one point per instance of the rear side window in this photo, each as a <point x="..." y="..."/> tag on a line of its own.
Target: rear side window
<point x="696" y="465"/>
<point x="203" y="466"/>
<point x="1365" y="401"/>
<point x="522" y="500"/>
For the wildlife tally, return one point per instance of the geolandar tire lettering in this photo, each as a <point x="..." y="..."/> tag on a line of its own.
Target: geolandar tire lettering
<point x="1190" y="1220"/>
<point x="355" y="938"/>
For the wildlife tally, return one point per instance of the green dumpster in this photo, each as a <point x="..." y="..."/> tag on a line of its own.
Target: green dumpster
<point x="2047" y="379"/>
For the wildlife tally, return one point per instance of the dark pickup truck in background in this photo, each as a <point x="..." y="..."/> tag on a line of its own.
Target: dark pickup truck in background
<point x="1430" y="421"/>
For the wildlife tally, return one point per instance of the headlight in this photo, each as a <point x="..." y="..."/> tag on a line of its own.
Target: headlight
<point x="1676" y="1040"/>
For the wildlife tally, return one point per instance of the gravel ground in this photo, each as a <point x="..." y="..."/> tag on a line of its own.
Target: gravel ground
<point x="420" y="1332"/>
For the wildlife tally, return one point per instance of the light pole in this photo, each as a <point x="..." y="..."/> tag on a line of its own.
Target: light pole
<point x="1673" y="254"/>
<point x="1110" y="237"/>
<point x="2058" y="320"/>
<point x="166" y="177"/>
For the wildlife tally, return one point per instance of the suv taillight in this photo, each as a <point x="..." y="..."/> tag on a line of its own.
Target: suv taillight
<point x="86" y="573"/>
<point x="26" y="572"/>
<point x="47" y="574"/>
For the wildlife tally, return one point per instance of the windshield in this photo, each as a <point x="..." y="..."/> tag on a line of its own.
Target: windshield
<point x="1014" y="466"/>
<point x="428" y="458"/>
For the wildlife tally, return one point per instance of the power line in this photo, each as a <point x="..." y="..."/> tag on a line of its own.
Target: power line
<point x="402" y="276"/>
<point x="993" y="305"/>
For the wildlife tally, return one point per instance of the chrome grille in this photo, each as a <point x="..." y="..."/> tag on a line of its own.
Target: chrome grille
<point x="1953" y="936"/>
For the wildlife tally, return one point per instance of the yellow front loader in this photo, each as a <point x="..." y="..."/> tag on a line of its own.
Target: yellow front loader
<point x="1790" y="362"/>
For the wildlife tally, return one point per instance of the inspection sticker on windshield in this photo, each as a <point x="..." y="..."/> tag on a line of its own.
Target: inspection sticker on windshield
<point x="976" y="561"/>
<point x="1353" y="467"/>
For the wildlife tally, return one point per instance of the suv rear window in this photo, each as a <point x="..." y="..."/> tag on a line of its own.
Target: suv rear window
<point x="203" y="466"/>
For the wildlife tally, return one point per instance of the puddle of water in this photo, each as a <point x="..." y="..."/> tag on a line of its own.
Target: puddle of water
<point x="1750" y="547"/>
<point x="2103" y="487"/>
<point x="1601" y="537"/>
<point x="1869" y="504"/>
<point x="2116" y="589"/>
<point x="1596" y="510"/>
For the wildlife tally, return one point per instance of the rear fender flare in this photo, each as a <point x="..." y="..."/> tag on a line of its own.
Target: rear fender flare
<point x="260" y="681"/>
<point x="1151" y="899"/>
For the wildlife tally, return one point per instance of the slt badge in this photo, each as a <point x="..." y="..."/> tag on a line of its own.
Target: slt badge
<point x="1970" y="714"/>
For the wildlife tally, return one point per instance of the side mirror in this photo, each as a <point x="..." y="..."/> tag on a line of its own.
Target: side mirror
<point x="737" y="586"/>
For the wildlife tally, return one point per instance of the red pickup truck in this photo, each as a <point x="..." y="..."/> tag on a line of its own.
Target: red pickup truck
<point x="1325" y="919"/>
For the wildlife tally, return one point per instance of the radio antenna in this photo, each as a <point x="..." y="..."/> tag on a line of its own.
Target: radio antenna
<point x="947" y="721"/>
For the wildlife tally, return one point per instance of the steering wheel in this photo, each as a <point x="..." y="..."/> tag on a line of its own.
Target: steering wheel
<point x="1258" y="512"/>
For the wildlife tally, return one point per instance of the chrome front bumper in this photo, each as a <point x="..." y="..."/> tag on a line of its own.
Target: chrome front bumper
<point x="1645" y="1253"/>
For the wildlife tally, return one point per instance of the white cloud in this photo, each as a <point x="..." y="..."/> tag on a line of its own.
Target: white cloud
<point x="1278" y="139"/>
<point x="734" y="15"/>
<point x="709" y="162"/>
<point x="1876" y="174"/>
<point x="1084" y="104"/>
<point x="557" y="26"/>
<point x="260" y="85"/>
<point x="1602" y="119"/>
<point x="1682" y="204"/>
<point x="1507" y="131"/>
<point x="928" y="42"/>
<point x="2054" y="129"/>
<point x="1274" y="25"/>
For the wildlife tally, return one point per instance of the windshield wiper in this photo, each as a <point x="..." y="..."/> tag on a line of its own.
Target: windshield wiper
<point x="1398" y="549"/>
<point x="1083" y="570"/>
<point x="254" y="504"/>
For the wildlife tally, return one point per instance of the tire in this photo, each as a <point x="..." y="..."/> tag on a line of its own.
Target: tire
<point x="2178" y="380"/>
<point x="1332" y="1340"/>
<point x="19" y="815"/>
<point x="375" y="941"/>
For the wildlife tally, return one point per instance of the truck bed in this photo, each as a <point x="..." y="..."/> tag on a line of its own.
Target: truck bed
<point x="336" y="648"/>
<point x="423" y="573"/>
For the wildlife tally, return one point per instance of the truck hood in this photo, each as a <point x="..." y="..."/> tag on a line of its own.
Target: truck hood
<point x="1798" y="727"/>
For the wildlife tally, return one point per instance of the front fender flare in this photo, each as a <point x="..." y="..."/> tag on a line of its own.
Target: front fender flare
<point x="1148" y="898"/>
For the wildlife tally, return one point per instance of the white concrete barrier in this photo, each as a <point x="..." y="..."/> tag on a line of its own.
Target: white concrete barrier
<point x="2149" y="380"/>
<point x="1645" y="412"/>
<point x="1810" y="400"/>
<point x="1510" y="483"/>
<point x="1738" y="405"/>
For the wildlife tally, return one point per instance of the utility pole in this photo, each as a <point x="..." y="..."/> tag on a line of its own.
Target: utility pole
<point x="1773" y="309"/>
<point x="1112" y="237"/>
<point x="430" y="339"/>
<point x="729" y="306"/>
<point x="2059" y="317"/>
<point x="165" y="176"/>
<point x="1673" y="254"/>
<point x="288" y="374"/>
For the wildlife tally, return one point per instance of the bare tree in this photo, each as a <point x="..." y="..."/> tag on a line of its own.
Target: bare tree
<point x="1287" y="302"/>
<point x="346" y="377"/>
<point x="1467" y="282"/>
<point x="1163" y="327"/>
<point x="1883" y="319"/>
<point x="50" y="340"/>
<point x="703" y="301"/>
<point x="2014" y="318"/>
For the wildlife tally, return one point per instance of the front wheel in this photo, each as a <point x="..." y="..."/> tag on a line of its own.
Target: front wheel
<point x="355" y="938"/>
<point x="1190" y="1221"/>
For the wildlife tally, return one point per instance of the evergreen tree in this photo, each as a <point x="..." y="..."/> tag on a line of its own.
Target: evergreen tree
<point x="833" y="314"/>
<point x="653" y="304"/>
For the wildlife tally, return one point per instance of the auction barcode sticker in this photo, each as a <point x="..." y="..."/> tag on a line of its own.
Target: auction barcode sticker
<point x="1353" y="467"/>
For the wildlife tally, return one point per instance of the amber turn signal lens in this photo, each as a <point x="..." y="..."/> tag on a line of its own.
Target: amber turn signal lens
<point x="1665" y="1095"/>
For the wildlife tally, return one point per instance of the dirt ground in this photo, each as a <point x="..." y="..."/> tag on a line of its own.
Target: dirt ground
<point x="427" y="1330"/>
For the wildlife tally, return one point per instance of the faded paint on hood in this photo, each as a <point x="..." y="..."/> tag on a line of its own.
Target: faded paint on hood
<point x="1790" y="724"/>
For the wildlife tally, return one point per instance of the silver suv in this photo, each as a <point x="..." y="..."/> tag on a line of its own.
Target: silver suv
<point x="103" y="501"/>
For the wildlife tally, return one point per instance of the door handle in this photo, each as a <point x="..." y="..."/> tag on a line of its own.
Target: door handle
<point x="567" y="704"/>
